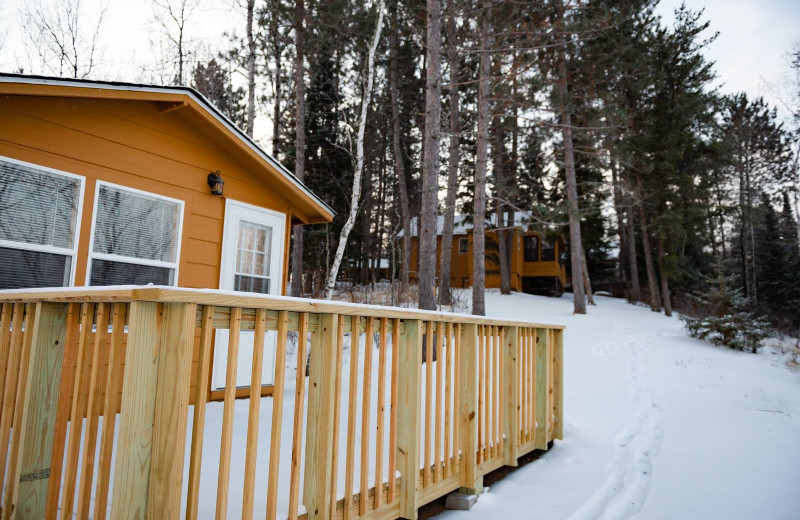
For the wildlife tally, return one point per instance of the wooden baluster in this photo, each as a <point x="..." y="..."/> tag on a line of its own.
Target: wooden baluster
<point x="499" y="401"/>
<point x="531" y="388"/>
<point x="426" y="468"/>
<point x="351" y="416"/>
<point x="10" y="383"/>
<point x="365" y="399"/>
<point x="457" y="399"/>
<point x="511" y="395"/>
<point x="448" y="353"/>
<point x="437" y="451"/>
<point x="19" y="408"/>
<point x="227" y="414"/>
<point x="558" y="383"/>
<point x="113" y="387"/>
<point x="64" y="405"/>
<point x="251" y="447"/>
<point x="408" y="402"/>
<point x="5" y="337"/>
<point x="541" y="391"/>
<point x="198" y="419"/>
<point x="471" y="481"/>
<point x="495" y="387"/>
<point x="76" y="415"/>
<point x="381" y="411"/>
<point x="277" y="416"/>
<point x="299" y="404"/>
<point x="319" y="444"/>
<point x="393" y="409"/>
<point x="93" y="410"/>
<point x="337" y="404"/>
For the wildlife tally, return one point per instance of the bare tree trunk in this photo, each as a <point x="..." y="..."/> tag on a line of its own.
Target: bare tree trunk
<point x="251" y="70"/>
<point x="445" y="297"/>
<point x="587" y="282"/>
<point x="300" y="139"/>
<point x="576" y="248"/>
<point x="397" y="152"/>
<point x="652" y="284"/>
<point x="664" y="279"/>
<point x="276" y="106"/>
<point x="499" y="172"/>
<point x="624" y="268"/>
<point x="430" y="164"/>
<point x="636" y="289"/>
<point x="482" y="145"/>
<point x="356" y="195"/>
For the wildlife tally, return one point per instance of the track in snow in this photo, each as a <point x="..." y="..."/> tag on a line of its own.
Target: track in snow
<point x="624" y="490"/>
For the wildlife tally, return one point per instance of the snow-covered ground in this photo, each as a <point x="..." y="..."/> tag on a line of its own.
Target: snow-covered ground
<point x="657" y="424"/>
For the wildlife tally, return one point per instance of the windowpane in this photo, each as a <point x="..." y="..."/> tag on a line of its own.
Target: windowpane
<point x="37" y="207"/>
<point x="531" y="249"/>
<point x="136" y="225"/>
<point x="548" y="251"/>
<point x="254" y="249"/>
<point x="106" y="272"/>
<point x="463" y="245"/>
<point x="251" y="284"/>
<point x="21" y="269"/>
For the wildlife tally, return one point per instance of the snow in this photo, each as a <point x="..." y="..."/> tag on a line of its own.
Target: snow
<point x="657" y="424"/>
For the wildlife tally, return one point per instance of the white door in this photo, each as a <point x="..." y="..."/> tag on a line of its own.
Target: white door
<point x="252" y="261"/>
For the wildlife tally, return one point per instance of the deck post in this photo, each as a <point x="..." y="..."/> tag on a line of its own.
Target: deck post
<point x="558" y="384"/>
<point x="541" y="390"/>
<point x="409" y="376"/>
<point x="38" y="413"/>
<point x="510" y="396"/>
<point x="154" y="411"/>
<point x="319" y="469"/>
<point x="471" y="482"/>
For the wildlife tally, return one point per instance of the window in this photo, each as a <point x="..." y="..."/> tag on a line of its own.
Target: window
<point x="135" y="237"/>
<point x="253" y="250"/>
<point x="548" y="251"/>
<point x="463" y="246"/>
<point x="530" y="248"/>
<point x="39" y="221"/>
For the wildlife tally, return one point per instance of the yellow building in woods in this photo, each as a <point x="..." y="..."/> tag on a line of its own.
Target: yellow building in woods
<point x="537" y="260"/>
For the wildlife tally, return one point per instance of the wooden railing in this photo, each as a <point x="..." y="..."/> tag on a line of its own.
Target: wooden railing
<point x="432" y="403"/>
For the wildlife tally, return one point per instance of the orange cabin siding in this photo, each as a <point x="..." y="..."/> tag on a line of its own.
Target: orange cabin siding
<point x="461" y="263"/>
<point x="144" y="144"/>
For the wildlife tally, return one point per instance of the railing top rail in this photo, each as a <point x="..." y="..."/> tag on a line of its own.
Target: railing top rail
<point x="129" y="293"/>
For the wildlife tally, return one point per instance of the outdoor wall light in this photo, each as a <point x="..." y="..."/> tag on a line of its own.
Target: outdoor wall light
<point x="215" y="182"/>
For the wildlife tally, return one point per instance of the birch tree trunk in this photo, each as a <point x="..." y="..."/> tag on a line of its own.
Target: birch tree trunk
<point x="356" y="195"/>
<point x="445" y="296"/>
<point x="587" y="282"/>
<point x="430" y="164"/>
<point x="576" y="248"/>
<point x="397" y="152"/>
<point x="300" y="139"/>
<point x="251" y="69"/>
<point x="482" y="145"/>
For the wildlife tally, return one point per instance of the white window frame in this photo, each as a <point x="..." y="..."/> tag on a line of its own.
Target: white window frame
<point x="71" y="252"/>
<point x="129" y="259"/>
<point x="228" y="255"/>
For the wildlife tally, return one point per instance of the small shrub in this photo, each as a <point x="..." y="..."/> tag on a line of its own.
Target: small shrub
<point x="728" y="321"/>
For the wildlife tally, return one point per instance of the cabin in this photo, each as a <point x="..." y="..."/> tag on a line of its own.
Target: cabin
<point x="105" y="183"/>
<point x="537" y="259"/>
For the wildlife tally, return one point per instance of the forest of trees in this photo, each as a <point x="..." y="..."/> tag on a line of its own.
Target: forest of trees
<point x="597" y="119"/>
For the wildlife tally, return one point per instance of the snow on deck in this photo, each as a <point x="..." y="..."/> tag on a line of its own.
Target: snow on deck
<point x="657" y="425"/>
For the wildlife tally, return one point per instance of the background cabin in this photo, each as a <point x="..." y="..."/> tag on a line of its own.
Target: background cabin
<point x="116" y="184"/>
<point x="537" y="260"/>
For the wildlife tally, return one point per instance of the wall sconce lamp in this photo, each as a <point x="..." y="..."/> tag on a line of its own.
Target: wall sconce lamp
<point x="215" y="182"/>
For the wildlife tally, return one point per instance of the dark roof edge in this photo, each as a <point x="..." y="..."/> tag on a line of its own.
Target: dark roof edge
<point x="6" y="77"/>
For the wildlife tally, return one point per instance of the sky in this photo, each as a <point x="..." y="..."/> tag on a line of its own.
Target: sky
<point x="751" y="51"/>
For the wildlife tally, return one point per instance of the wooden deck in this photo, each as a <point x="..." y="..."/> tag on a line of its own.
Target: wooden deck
<point x="465" y="396"/>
